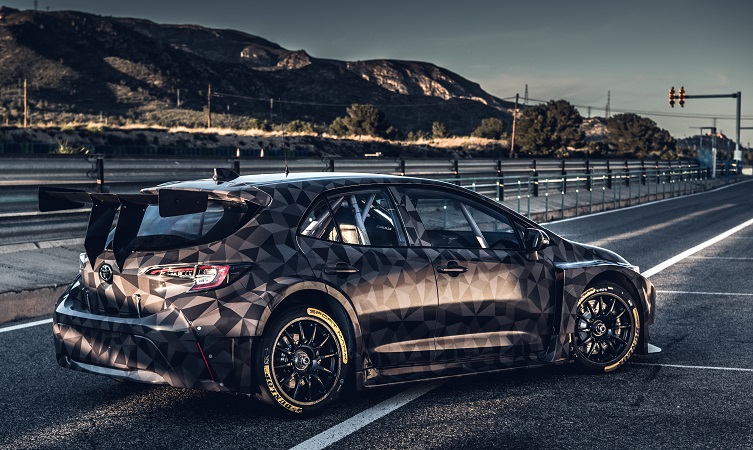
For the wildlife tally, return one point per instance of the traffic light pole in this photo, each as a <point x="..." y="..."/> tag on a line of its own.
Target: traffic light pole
<point x="738" y="96"/>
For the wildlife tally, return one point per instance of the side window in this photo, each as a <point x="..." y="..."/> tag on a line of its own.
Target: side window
<point x="358" y="218"/>
<point x="495" y="227"/>
<point x="453" y="221"/>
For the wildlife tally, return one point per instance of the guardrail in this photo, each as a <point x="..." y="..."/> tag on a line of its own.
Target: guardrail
<point x="20" y="177"/>
<point x="542" y="188"/>
<point x="585" y="193"/>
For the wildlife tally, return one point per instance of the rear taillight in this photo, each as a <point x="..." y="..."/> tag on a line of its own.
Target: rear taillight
<point x="204" y="276"/>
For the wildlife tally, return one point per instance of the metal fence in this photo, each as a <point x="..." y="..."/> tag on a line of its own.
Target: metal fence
<point x="20" y="177"/>
<point x="553" y="196"/>
<point x="541" y="189"/>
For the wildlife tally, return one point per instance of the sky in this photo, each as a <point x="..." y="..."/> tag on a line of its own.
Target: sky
<point x="577" y="51"/>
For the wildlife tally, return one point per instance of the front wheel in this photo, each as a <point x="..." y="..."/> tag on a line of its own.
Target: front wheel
<point x="302" y="362"/>
<point x="607" y="328"/>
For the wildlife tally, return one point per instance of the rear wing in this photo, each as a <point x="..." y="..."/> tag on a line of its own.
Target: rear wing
<point x="171" y="202"/>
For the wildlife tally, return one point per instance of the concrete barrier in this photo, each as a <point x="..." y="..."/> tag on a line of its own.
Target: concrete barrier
<point x="19" y="305"/>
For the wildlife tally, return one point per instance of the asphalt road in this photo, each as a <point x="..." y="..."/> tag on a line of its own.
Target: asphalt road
<point x="697" y="393"/>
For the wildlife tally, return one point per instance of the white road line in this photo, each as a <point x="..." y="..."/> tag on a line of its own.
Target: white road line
<point x="360" y="420"/>
<point x="677" y="258"/>
<point x="645" y="204"/>
<point x="731" y="258"/>
<point x="731" y="294"/>
<point x="680" y="366"/>
<point x="25" y="325"/>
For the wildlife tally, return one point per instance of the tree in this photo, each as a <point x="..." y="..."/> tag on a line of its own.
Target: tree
<point x="438" y="130"/>
<point x="414" y="136"/>
<point x="366" y="120"/>
<point x="549" y="128"/>
<point x="300" y="126"/>
<point x="633" y="135"/>
<point x="491" y="128"/>
<point x="361" y="120"/>
<point x="258" y="124"/>
<point x="339" y="127"/>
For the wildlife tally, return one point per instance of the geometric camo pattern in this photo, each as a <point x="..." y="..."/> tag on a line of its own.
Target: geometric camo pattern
<point x="409" y="321"/>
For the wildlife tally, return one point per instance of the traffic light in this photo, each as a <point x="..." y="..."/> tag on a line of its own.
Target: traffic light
<point x="682" y="96"/>
<point x="672" y="96"/>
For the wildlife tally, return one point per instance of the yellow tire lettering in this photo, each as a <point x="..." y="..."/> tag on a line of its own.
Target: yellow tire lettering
<point x="328" y="320"/>
<point x="632" y="345"/>
<point x="276" y="395"/>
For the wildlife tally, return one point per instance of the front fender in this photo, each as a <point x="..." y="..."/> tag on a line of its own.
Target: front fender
<point x="574" y="278"/>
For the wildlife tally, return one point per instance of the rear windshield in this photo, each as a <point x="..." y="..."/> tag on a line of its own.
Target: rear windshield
<point x="163" y="233"/>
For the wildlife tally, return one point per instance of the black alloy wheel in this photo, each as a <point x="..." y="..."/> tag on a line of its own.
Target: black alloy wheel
<point x="607" y="328"/>
<point x="303" y="362"/>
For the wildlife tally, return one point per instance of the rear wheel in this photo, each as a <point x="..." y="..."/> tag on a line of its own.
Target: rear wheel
<point x="607" y="328"/>
<point x="302" y="362"/>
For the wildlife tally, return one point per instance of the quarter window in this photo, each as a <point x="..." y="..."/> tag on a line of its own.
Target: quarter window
<point x="319" y="224"/>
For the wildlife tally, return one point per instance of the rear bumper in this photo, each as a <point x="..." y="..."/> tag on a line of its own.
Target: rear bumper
<point x="161" y="348"/>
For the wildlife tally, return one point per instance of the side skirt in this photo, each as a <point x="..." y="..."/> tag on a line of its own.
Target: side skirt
<point x="399" y="375"/>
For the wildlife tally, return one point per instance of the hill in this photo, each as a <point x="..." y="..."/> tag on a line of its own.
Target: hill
<point x="84" y="64"/>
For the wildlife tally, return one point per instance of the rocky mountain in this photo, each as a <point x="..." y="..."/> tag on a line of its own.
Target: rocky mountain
<point x="81" y="63"/>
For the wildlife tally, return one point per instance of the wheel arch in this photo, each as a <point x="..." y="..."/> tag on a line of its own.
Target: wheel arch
<point x="331" y="301"/>
<point x="641" y="302"/>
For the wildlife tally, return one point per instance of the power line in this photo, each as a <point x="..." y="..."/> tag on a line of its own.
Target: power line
<point x="658" y="113"/>
<point x="444" y="102"/>
<point x="341" y="105"/>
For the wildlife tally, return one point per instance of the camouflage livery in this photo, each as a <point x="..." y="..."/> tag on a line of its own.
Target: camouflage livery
<point x="404" y="318"/>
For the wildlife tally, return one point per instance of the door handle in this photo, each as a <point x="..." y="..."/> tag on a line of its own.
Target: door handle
<point x="452" y="268"/>
<point x="339" y="269"/>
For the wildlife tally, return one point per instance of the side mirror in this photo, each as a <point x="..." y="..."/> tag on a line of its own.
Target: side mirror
<point x="535" y="240"/>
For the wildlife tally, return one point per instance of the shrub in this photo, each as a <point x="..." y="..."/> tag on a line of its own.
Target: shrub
<point x="439" y="130"/>
<point x="361" y="120"/>
<point x="300" y="126"/>
<point x="490" y="128"/>
<point x="258" y="124"/>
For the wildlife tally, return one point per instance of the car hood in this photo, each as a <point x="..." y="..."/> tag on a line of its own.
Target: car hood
<point x="603" y="254"/>
<point x="566" y="252"/>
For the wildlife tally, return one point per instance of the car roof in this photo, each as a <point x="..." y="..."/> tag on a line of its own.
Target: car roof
<point x="279" y="180"/>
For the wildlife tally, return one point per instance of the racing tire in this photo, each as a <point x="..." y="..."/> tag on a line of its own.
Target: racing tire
<point x="302" y="362"/>
<point x="607" y="328"/>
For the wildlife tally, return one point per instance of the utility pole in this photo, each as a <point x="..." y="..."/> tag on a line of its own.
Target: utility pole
<point x="177" y="103"/>
<point x="514" y="123"/>
<point x="525" y="98"/>
<point x="209" y="107"/>
<point x="609" y="98"/>
<point x="26" y="106"/>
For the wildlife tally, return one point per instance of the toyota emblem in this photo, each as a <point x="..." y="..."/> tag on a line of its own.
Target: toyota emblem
<point x="105" y="273"/>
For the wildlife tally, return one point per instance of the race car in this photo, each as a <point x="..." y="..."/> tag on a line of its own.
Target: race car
<point x="290" y="287"/>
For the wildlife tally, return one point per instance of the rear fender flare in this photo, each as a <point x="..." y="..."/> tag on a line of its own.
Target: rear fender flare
<point x="283" y="289"/>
